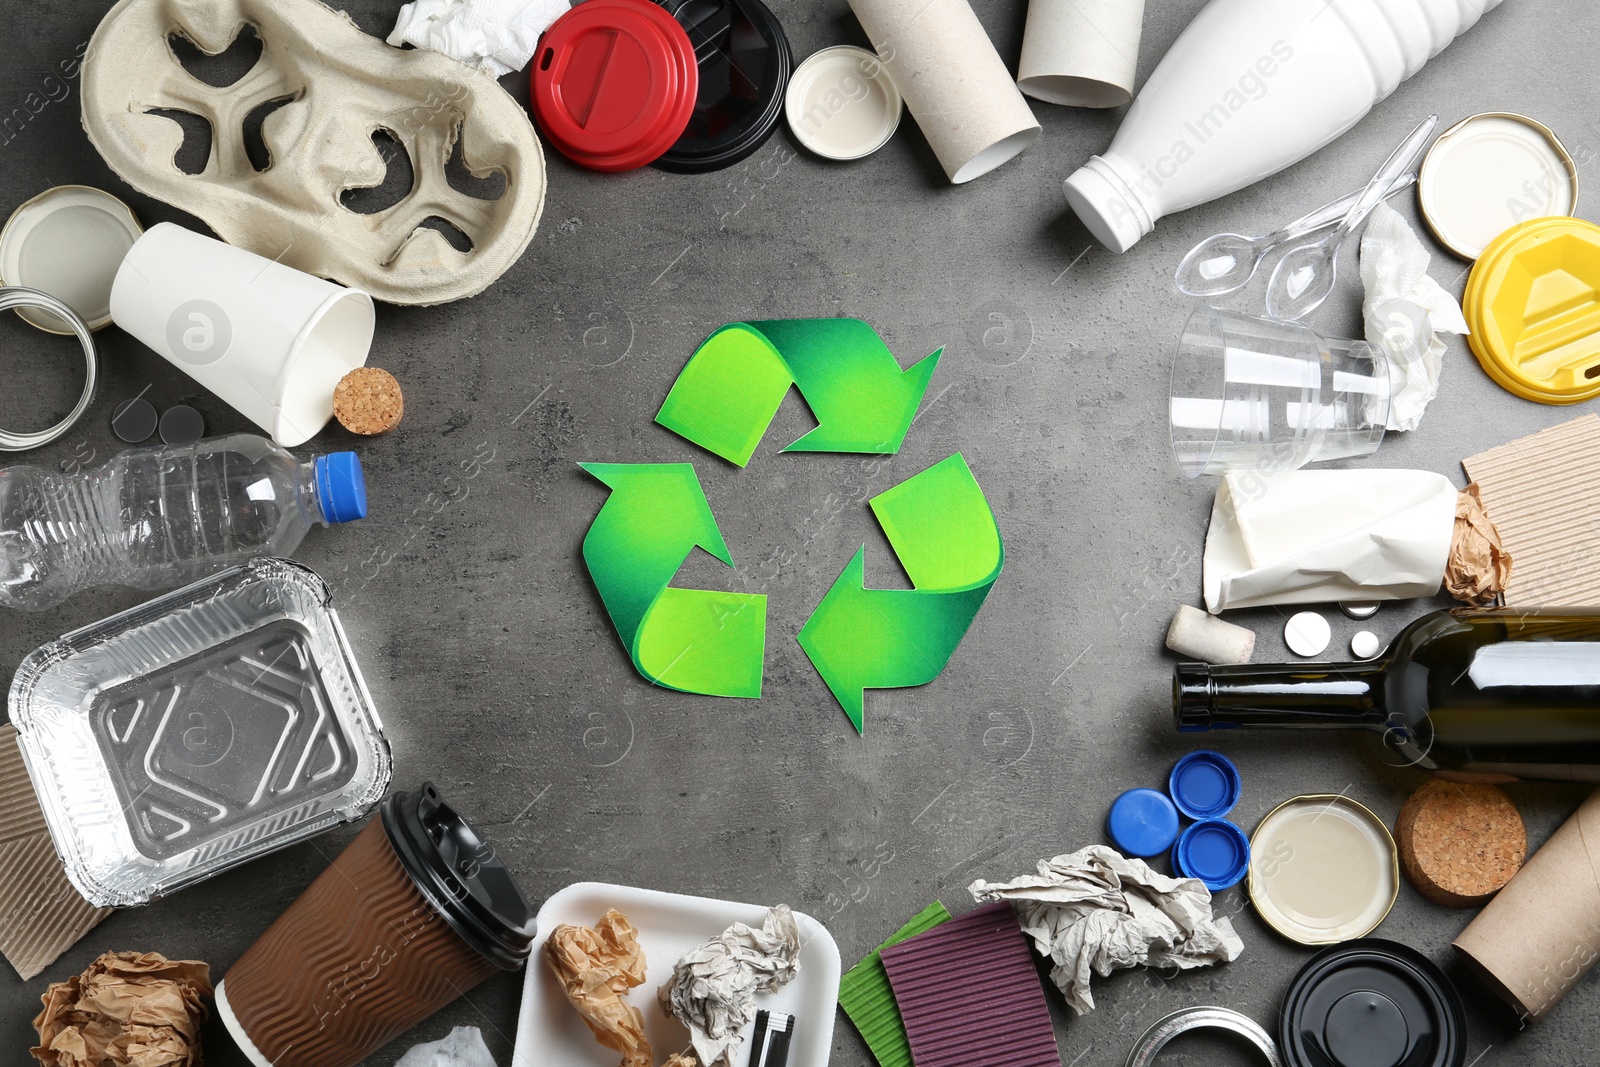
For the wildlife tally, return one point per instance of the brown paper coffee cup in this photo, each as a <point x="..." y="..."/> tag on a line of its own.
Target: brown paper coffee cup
<point x="953" y="80"/>
<point x="1541" y="934"/>
<point x="415" y="912"/>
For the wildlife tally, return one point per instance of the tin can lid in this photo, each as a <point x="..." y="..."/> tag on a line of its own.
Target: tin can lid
<point x="1323" y="869"/>
<point x="1490" y="172"/>
<point x="1142" y="822"/>
<point x="614" y="83"/>
<point x="744" y="66"/>
<point x="1371" y="1002"/>
<point x="68" y="242"/>
<point x="1532" y="305"/>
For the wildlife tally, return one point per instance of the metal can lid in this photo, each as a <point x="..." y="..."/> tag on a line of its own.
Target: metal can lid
<point x="614" y="83"/>
<point x="1323" y="869"/>
<point x="842" y="104"/>
<point x="1371" y="1002"/>
<point x="1490" y="172"/>
<point x="744" y="67"/>
<point x="68" y="242"/>
<point x="1205" y="785"/>
<point x="1142" y="822"/>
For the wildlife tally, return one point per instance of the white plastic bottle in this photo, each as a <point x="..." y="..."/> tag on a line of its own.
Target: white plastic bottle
<point x="1249" y="88"/>
<point x="154" y="518"/>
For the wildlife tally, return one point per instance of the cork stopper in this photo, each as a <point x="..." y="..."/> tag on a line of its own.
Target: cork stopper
<point x="1459" y="843"/>
<point x="368" y="401"/>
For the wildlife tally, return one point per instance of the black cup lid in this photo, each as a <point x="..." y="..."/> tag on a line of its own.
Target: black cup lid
<point x="460" y="875"/>
<point x="745" y="64"/>
<point x="1371" y="1003"/>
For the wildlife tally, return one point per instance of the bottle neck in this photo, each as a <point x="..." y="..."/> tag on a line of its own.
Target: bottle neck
<point x="1333" y="696"/>
<point x="311" y="496"/>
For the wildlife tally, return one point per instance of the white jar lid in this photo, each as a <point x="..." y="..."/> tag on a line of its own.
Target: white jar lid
<point x="68" y="242"/>
<point x="1490" y="172"/>
<point x="842" y="104"/>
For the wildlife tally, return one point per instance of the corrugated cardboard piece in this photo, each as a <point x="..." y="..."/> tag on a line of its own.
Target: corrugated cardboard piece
<point x="41" y="915"/>
<point x="1543" y="494"/>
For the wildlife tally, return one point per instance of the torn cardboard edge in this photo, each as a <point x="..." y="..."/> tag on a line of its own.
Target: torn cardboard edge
<point x="41" y="914"/>
<point x="339" y="87"/>
<point x="1543" y="491"/>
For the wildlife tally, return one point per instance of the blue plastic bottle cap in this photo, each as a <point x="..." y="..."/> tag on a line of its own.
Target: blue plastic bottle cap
<point x="341" y="487"/>
<point x="1142" y="822"/>
<point x="1205" y="785"/>
<point x="1214" y="851"/>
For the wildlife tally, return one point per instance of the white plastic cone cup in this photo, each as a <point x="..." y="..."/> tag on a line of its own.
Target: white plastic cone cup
<point x="269" y="340"/>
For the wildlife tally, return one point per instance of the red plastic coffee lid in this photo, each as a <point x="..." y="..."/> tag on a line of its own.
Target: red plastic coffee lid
<point x="614" y="83"/>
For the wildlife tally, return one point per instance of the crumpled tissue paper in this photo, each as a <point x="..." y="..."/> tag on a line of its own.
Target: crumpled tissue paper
<point x="1405" y="311"/>
<point x="596" y="968"/>
<point x="129" y="1009"/>
<point x="1098" y="910"/>
<point x="496" y="36"/>
<point x="713" y="988"/>
<point x="461" y="1047"/>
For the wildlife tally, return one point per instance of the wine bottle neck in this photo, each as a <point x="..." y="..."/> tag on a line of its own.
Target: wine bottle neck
<point x="1342" y="696"/>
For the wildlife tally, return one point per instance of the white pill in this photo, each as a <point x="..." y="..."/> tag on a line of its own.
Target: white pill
<point x="1359" y="609"/>
<point x="1307" y="634"/>
<point x="1365" y="645"/>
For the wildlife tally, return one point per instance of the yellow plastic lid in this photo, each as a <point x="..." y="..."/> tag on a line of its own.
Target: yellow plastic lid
<point x="1533" y="304"/>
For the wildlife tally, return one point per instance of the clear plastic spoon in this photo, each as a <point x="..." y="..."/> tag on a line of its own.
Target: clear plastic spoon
<point x="1305" y="277"/>
<point x="1225" y="262"/>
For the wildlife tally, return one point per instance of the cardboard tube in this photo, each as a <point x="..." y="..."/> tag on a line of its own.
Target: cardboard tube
<point x="1082" y="53"/>
<point x="1541" y="934"/>
<point x="953" y="81"/>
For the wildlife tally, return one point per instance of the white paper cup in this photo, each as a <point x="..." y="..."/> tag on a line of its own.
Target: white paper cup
<point x="1082" y="53"/>
<point x="269" y="340"/>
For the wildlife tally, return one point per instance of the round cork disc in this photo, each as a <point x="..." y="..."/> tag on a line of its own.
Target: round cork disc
<point x="368" y="401"/>
<point x="1459" y="844"/>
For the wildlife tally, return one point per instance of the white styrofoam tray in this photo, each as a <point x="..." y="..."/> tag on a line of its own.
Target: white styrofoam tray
<point x="549" y="1031"/>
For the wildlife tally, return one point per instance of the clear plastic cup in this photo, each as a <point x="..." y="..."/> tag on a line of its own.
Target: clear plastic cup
<point x="1252" y="393"/>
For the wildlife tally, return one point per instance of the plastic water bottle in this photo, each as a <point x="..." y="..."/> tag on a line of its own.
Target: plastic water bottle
<point x="1250" y="87"/>
<point x="154" y="518"/>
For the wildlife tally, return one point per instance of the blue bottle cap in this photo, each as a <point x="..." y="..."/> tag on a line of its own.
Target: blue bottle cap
<point x="1214" y="851"/>
<point x="341" y="487"/>
<point x="1142" y="822"/>
<point x="1205" y="785"/>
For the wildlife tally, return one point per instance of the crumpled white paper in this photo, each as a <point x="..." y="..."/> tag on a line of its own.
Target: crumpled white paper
<point x="1098" y="910"/>
<point x="1405" y="311"/>
<point x="1320" y="536"/>
<point x="713" y="988"/>
<point x="461" y="1047"/>
<point x="496" y="36"/>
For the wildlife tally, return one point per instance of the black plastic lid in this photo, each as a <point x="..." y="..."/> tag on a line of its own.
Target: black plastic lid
<point x="1371" y="1003"/>
<point x="745" y="65"/>
<point x="460" y="875"/>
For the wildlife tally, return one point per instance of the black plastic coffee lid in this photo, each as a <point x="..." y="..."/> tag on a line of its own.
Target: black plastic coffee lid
<point x="460" y="875"/>
<point x="1371" y="1003"/>
<point x="745" y="64"/>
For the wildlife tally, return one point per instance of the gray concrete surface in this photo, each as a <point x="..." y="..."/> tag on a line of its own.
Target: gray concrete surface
<point x="500" y="678"/>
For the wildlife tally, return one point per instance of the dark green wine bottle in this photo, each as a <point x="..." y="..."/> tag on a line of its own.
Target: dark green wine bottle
<point x="1471" y="694"/>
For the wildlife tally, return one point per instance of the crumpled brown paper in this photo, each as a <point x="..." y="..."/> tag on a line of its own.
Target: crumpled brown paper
<point x="713" y="988"/>
<point x="1479" y="565"/>
<point x="597" y="968"/>
<point x="129" y="1009"/>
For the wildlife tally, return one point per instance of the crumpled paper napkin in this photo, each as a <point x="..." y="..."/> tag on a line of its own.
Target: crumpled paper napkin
<point x="713" y="988"/>
<point x="461" y="1047"/>
<point x="129" y="1009"/>
<point x="1405" y="311"/>
<point x="1480" y="567"/>
<point x="596" y="968"/>
<point x="496" y="36"/>
<point x="1098" y="910"/>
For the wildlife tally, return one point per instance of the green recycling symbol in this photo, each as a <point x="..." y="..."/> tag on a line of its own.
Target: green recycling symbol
<point x="937" y="522"/>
